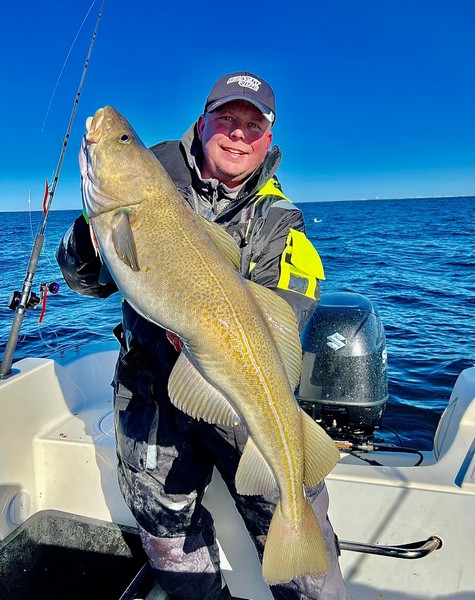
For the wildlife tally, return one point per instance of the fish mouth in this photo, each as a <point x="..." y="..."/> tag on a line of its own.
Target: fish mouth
<point x="94" y="201"/>
<point x="92" y="136"/>
<point x="94" y="126"/>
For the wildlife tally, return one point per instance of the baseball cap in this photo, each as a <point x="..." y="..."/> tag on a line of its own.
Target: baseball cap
<point x="242" y="86"/>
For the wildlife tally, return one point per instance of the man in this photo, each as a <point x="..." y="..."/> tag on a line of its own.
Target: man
<point x="224" y="167"/>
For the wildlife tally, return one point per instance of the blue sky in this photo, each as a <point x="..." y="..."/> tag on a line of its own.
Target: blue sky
<point x="375" y="98"/>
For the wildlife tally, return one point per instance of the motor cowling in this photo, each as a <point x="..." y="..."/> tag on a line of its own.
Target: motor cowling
<point x="344" y="382"/>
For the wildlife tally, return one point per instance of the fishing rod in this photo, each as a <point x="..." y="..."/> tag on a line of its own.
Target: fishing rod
<point x="20" y="302"/>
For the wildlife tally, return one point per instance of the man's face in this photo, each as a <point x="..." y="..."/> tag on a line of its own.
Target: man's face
<point x="235" y="139"/>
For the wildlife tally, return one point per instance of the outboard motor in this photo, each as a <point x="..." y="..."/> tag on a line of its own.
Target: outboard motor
<point x="344" y="382"/>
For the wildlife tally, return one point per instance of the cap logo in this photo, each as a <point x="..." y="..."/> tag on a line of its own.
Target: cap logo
<point x="245" y="81"/>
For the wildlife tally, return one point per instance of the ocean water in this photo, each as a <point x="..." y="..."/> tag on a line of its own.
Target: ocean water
<point x="414" y="259"/>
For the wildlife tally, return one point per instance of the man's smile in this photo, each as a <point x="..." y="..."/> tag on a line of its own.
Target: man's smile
<point x="234" y="151"/>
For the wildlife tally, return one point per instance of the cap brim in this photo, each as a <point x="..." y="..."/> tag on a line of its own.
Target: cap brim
<point x="265" y="110"/>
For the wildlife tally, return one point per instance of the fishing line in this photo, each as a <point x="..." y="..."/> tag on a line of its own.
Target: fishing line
<point x="53" y="96"/>
<point x="24" y="297"/>
<point x="71" y="120"/>
<point x="45" y="342"/>
<point x="64" y="66"/>
<point x="29" y="215"/>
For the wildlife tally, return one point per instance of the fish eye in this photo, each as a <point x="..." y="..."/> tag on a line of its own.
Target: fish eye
<point x="124" y="138"/>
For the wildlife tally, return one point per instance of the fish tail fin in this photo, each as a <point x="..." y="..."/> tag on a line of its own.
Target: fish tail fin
<point x="294" y="552"/>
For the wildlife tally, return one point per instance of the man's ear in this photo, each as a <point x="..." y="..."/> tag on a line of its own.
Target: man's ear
<point x="200" y="125"/>
<point x="269" y="139"/>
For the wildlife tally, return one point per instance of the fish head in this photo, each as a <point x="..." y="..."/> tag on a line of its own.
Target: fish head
<point x="114" y="163"/>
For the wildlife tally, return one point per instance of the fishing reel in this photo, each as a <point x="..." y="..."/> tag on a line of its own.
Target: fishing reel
<point x="33" y="299"/>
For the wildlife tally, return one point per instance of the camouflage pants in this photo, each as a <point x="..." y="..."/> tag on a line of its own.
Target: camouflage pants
<point x="166" y="461"/>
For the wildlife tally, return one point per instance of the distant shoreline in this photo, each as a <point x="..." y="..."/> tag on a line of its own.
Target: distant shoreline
<point x="390" y="199"/>
<point x="79" y="210"/>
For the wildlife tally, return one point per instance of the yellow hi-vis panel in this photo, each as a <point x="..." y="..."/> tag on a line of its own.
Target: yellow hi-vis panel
<point x="271" y="188"/>
<point x="300" y="265"/>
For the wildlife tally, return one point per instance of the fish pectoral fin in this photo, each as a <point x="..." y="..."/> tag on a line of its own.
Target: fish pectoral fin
<point x="191" y="393"/>
<point x="284" y="329"/>
<point x="123" y="240"/>
<point x="320" y="452"/>
<point x="224" y="242"/>
<point x="253" y="475"/>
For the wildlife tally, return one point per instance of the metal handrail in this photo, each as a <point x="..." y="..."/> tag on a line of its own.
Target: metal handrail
<point x="408" y="551"/>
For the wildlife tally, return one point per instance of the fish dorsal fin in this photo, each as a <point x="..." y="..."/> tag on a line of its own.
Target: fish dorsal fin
<point x="123" y="240"/>
<point x="224" y="242"/>
<point x="283" y="325"/>
<point x="320" y="451"/>
<point x="194" y="395"/>
<point x="253" y="475"/>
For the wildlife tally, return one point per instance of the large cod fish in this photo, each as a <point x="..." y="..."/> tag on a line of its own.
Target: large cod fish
<point x="241" y="358"/>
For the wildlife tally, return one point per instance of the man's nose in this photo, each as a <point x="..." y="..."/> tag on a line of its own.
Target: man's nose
<point x="237" y="133"/>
